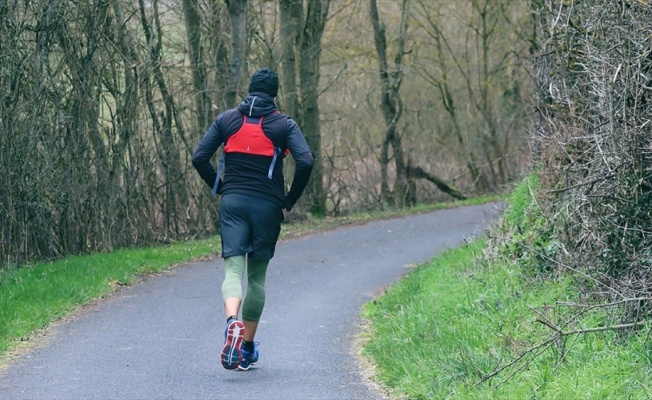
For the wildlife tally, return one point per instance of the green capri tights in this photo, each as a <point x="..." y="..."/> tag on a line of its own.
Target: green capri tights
<point x="254" y="301"/>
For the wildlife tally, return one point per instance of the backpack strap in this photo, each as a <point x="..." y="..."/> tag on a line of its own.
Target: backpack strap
<point x="277" y="151"/>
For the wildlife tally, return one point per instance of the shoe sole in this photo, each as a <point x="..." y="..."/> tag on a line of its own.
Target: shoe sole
<point x="241" y="368"/>
<point x="231" y="354"/>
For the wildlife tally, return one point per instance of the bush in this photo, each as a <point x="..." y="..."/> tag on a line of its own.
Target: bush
<point x="594" y="78"/>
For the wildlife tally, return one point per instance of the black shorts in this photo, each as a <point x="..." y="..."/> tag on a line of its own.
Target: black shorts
<point x="249" y="225"/>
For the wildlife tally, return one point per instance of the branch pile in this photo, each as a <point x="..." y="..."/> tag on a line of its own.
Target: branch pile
<point x="594" y="142"/>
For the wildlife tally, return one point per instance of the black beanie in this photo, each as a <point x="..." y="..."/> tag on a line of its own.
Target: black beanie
<point x="264" y="80"/>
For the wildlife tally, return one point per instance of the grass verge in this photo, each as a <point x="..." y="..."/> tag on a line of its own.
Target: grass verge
<point x="31" y="297"/>
<point x="437" y="333"/>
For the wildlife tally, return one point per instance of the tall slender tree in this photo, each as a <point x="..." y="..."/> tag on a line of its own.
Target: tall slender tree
<point x="237" y="11"/>
<point x="291" y="16"/>
<point x="197" y="63"/>
<point x="302" y="34"/>
<point x="391" y="104"/>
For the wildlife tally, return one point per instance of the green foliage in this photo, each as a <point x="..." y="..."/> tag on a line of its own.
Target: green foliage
<point x="437" y="333"/>
<point x="31" y="297"/>
<point x="525" y="235"/>
<point x="424" y="337"/>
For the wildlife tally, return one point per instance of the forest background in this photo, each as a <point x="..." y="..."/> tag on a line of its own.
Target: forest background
<point x="103" y="102"/>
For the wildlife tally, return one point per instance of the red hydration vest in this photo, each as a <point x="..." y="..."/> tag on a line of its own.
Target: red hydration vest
<point x="249" y="139"/>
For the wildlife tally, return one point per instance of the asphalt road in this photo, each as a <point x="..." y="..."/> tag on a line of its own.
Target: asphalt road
<point x="161" y="338"/>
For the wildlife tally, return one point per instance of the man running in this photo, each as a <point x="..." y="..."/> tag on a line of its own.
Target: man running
<point x="256" y="137"/>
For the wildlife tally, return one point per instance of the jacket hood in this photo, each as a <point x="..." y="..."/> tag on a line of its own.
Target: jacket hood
<point x="257" y="104"/>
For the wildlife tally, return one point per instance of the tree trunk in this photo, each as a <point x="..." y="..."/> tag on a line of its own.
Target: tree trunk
<point x="197" y="66"/>
<point x="313" y="28"/>
<point x="486" y="33"/>
<point x="291" y="14"/>
<point x="237" y="11"/>
<point x="219" y="23"/>
<point x="391" y="105"/>
<point x="175" y="197"/>
<point x="441" y="83"/>
<point x="125" y="128"/>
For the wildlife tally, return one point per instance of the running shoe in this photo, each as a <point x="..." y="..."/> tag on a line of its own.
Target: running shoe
<point x="248" y="358"/>
<point x="231" y="353"/>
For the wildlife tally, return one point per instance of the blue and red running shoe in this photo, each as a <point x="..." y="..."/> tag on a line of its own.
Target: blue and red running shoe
<point x="231" y="353"/>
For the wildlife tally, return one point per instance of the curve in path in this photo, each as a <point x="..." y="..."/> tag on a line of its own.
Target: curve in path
<point x="161" y="339"/>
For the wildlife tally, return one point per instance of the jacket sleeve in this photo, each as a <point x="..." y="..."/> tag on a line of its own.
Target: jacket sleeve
<point x="208" y="145"/>
<point x="303" y="159"/>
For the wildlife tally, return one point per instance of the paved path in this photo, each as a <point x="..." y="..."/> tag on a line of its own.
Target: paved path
<point x="161" y="338"/>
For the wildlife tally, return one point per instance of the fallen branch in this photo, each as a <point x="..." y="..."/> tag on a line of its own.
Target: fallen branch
<point x="445" y="187"/>
<point x="603" y="328"/>
<point x="545" y="344"/>
<point x="541" y="347"/>
<point x="612" y="304"/>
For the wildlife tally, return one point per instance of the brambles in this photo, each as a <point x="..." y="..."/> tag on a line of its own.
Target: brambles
<point x="594" y="79"/>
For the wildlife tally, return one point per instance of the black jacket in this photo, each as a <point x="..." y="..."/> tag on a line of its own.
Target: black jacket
<point x="246" y="173"/>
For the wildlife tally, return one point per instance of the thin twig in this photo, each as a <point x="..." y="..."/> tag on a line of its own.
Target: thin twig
<point x="548" y="342"/>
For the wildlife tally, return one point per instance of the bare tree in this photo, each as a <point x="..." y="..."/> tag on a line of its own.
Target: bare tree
<point x="218" y="46"/>
<point x="98" y="98"/>
<point x="490" y="13"/>
<point x="302" y="35"/>
<point x="237" y="11"/>
<point x="166" y="123"/>
<point x="392" y="109"/>
<point x="197" y="63"/>
<point x="473" y="66"/>
<point x="391" y="104"/>
<point x="441" y="81"/>
<point x="291" y="17"/>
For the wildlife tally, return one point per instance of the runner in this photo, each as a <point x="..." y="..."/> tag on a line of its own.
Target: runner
<point x="256" y="137"/>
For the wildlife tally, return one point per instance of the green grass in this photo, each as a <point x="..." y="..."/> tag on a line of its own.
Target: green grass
<point x="31" y="297"/>
<point x="437" y="333"/>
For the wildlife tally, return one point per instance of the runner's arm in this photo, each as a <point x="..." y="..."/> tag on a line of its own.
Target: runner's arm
<point x="208" y="145"/>
<point x="303" y="159"/>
